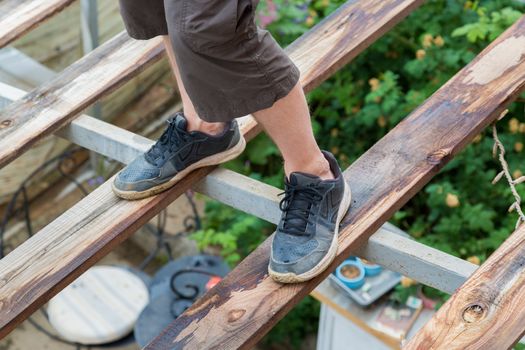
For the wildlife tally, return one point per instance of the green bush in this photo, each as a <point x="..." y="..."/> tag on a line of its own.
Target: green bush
<point x="460" y="211"/>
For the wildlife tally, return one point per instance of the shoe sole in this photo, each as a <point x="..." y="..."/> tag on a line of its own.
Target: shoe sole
<point x="215" y="159"/>
<point x="290" y="277"/>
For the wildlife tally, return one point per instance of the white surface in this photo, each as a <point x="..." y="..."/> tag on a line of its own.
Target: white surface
<point x="99" y="307"/>
<point x="338" y="333"/>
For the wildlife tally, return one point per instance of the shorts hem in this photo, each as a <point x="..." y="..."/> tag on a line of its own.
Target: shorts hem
<point x="241" y="108"/>
<point x="150" y="33"/>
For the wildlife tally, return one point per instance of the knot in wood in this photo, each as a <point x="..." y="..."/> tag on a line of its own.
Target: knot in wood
<point x="235" y="315"/>
<point x="474" y="313"/>
<point x="438" y="156"/>
<point x="5" y="123"/>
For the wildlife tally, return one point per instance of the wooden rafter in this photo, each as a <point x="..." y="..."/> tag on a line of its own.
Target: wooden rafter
<point x="247" y="303"/>
<point x="51" y="106"/>
<point x="483" y="314"/>
<point x="487" y="312"/>
<point x="17" y="17"/>
<point x="56" y="255"/>
<point x="387" y="246"/>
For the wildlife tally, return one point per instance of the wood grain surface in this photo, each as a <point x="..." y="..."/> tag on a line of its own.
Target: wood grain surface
<point x="487" y="312"/>
<point x="49" y="107"/>
<point x="17" y="17"/>
<point x="56" y="255"/>
<point x="247" y="303"/>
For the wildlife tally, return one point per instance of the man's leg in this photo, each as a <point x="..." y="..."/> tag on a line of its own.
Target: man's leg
<point x="194" y="122"/>
<point x="287" y="122"/>
<point x="187" y="143"/>
<point x="231" y="68"/>
<point x="316" y="194"/>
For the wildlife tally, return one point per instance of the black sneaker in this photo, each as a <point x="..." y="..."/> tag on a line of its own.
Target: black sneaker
<point x="305" y="241"/>
<point x="173" y="156"/>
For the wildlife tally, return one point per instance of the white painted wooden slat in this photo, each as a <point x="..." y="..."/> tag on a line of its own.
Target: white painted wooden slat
<point x="386" y="247"/>
<point x="94" y="134"/>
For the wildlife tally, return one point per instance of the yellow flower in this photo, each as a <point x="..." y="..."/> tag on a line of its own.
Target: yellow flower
<point x="522" y="128"/>
<point x="420" y="54"/>
<point x="452" y="200"/>
<point x="517" y="173"/>
<point x="335" y="150"/>
<point x="407" y="282"/>
<point x="427" y="40"/>
<point x="381" y="121"/>
<point x="514" y="125"/>
<point x="309" y="21"/>
<point x="518" y="146"/>
<point x="439" y="41"/>
<point x="334" y="132"/>
<point x="374" y="84"/>
<point x="474" y="260"/>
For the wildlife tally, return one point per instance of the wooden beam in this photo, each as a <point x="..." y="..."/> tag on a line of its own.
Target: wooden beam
<point x="487" y="312"/>
<point x="53" y="105"/>
<point x="94" y="134"/>
<point x="386" y="247"/>
<point x="422" y="263"/>
<point x="247" y="303"/>
<point x="17" y="17"/>
<point x="55" y="256"/>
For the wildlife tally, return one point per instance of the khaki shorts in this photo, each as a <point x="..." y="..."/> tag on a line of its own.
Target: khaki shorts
<point x="229" y="66"/>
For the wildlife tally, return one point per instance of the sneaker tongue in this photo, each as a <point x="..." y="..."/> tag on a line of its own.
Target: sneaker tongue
<point x="180" y="121"/>
<point x="177" y="121"/>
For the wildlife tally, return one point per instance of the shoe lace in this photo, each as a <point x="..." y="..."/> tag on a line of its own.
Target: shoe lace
<point x="296" y="206"/>
<point x="173" y="137"/>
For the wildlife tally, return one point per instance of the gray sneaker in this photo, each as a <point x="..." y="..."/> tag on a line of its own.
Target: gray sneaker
<point x="173" y="156"/>
<point x="305" y="241"/>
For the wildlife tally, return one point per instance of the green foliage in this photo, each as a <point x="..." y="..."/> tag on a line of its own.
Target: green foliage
<point x="488" y="26"/>
<point x="302" y="320"/>
<point x="234" y="234"/>
<point x="460" y="211"/>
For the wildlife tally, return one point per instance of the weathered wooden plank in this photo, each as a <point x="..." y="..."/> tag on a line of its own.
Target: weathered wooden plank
<point x="386" y="247"/>
<point x="19" y="16"/>
<point x="94" y="134"/>
<point x="424" y="264"/>
<point x="53" y="257"/>
<point x="358" y="25"/>
<point x="487" y="311"/>
<point x="54" y="104"/>
<point x="247" y="303"/>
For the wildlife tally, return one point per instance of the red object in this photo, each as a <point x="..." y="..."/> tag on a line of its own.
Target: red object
<point x="428" y="303"/>
<point x="212" y="282"/>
